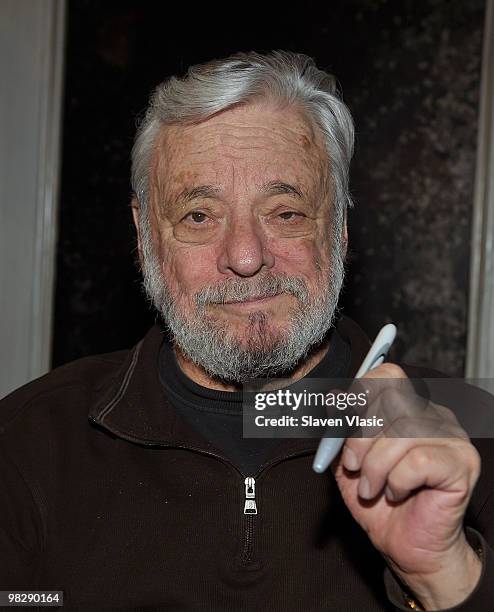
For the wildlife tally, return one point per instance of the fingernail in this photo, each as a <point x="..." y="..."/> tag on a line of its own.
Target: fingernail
<point x="350" y="460"/>
<point x="364" y="488"/>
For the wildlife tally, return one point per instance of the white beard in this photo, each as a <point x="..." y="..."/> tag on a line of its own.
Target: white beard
<point x="207" y="341"/>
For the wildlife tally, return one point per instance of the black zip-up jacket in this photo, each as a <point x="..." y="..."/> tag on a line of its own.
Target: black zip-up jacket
<point x="106" y="494"/>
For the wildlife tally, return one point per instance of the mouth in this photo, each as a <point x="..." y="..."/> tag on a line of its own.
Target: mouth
<point x="251" y="301"/>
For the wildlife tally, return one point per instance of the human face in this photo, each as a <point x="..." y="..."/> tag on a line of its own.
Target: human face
<point x="242" y="224"/>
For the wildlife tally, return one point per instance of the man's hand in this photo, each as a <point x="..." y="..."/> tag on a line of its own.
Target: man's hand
<point x="410" y="493"/>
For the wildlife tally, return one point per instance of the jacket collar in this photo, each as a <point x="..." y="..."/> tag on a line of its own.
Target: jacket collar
<point x="133" y="405"/>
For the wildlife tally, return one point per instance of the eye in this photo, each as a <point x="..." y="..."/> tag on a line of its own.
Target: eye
<point x="289" y="215"/>
<point x="196" y="217"/>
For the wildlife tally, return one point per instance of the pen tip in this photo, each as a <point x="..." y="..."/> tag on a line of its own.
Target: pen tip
<point x="318" y="468"/>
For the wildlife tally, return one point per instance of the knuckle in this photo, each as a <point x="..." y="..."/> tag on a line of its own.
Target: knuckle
<point x="391" y="395"/>
<point x="418" y="459"/>
<point x="442" y="411"/>
<point x="392" y="370"/>
<point x="468" y="455"/>
<point x="475" y="460"/>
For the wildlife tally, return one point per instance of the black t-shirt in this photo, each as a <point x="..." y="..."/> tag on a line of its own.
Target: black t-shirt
<point x="217" y="415"/>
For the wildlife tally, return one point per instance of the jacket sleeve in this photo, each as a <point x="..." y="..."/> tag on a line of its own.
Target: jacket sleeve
<point x="20" y="528"/>
<point x="479" y="600"/>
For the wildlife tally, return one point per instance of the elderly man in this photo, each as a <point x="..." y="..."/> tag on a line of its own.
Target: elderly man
<point x="124" y="475"/>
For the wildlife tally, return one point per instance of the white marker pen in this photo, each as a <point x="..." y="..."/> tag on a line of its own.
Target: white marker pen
<point x="329" y="447"/>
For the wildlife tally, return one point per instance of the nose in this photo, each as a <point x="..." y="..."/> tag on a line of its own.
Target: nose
<point x="245" y="251"/>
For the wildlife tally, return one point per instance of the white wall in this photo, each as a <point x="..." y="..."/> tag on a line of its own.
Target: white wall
<point x="480" y="350"/>
<point x="31" y="57"/>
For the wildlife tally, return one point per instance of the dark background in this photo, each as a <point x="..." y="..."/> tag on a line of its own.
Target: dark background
<point x="410" y="73"/>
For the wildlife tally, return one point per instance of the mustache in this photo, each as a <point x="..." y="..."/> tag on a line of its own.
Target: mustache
<point x="239" y="290"/>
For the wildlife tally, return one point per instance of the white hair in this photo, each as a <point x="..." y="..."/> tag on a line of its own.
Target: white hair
<point x="207" y="89"/>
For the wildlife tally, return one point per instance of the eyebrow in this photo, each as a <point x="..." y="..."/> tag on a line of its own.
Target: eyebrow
<point x="209" y="191"/>
<point x="280" y="188"/>
<point x="201" y="191"/>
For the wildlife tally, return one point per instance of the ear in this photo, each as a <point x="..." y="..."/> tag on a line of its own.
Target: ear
<point x="345" y="234"/>
<point x="136" y="209"/>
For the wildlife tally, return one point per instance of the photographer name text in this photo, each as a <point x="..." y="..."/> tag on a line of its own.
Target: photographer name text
<point x="310" y="421"/>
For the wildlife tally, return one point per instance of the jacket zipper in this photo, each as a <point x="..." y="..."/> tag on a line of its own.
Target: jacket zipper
<point x="250" y="496"/>
<point x="250" y="506"/>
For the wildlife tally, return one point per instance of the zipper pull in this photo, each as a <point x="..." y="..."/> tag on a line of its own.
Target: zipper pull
<point x="250" y="494"/>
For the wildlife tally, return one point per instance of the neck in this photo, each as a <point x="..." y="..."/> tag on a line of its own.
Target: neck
<point x="201" y="377"/>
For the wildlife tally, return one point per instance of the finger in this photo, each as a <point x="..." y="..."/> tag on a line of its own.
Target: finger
<point x="390" y="405"/>
<point x="448" y="468"/>
<point x="386" y="371"/>
<point x="372" y="383"/>
<point x="436" y="422"/>
<point x="355" y="450"/>
<point x="384" y="455"/>
<point x="390" y="396"/>
<point x="386" y="400"/>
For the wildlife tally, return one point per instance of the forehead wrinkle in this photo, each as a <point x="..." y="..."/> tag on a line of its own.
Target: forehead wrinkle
<point x="264" y="139"/>
<point x="231" y="124"/>
<point x="210" y="137"/>
<point x="228" y="137"/>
